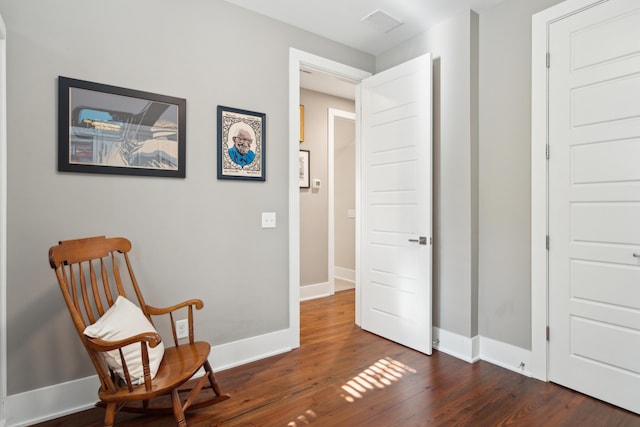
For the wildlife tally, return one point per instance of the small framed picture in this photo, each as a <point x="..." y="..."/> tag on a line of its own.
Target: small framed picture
<point x="304" y="168"/>
<point x="241" y="144"/>
<point x="114" y="130"/>
<point x="301" y="123"/>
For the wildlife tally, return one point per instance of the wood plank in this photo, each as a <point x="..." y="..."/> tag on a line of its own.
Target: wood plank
<point x="309" y="386"/>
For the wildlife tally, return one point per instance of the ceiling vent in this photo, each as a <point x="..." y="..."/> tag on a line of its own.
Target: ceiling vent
<point x="382" y="21"/>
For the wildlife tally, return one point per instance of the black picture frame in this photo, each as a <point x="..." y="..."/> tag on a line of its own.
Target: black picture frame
<point x="113" y="130"/>
<point x="241" y="157"/>
<point x="304" y="169"/>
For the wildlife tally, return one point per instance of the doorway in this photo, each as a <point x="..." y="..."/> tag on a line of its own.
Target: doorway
<point x="328" y="146"/>
<point x="298" y="59"/>
<point x="404" y="91"/>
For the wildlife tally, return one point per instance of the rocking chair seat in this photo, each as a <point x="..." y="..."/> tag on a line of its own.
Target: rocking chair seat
<point x="178" y="365"/>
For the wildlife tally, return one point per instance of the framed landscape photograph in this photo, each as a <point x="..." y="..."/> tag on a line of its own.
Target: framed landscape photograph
<point x="112" y="130"/>
<point x="241" y="144"/>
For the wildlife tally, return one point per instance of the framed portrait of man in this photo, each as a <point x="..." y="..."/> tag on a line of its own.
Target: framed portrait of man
<point x="241" y="144"/>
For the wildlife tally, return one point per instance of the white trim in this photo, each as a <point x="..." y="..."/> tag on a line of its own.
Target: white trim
<point x="358" y="291"/>
<point x="458" y="346"/>
<point x="332" y="115"/>
<point x="331" y="220"/>
<point x="249" y="350"/>
<point x="471" y="350"/>
<point x="345" y="274"/>
<point x="538" y="198"/>
<point x="318" y="290"/>
<point x="297" y="58"/>
<point x="505" y="355"/>
<point x="3" y="221"/>
<point x="55" y="401"/>
<point x="58" y="400"/>
<point x="539" y="182"/>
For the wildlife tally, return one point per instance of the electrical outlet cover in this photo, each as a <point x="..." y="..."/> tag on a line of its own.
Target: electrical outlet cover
<point x="182" y="328"/>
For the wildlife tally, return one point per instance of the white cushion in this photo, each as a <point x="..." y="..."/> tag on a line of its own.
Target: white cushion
<point x="124" y="320"/>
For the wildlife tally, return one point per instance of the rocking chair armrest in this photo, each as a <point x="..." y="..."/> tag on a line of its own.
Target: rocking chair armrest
<point x="97" y="344"/>
<point x="155" y="311"/>
<point x="189" y="305"/>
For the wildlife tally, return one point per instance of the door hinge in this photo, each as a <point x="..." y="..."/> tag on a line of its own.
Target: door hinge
<point x="548" y="151"/>
<point x="547" y="333"/>
<point x="548" y="60"/>
<point x="547" y="243"/>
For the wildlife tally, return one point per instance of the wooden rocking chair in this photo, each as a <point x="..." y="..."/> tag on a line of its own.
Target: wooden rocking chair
<point x="89" y="273"/>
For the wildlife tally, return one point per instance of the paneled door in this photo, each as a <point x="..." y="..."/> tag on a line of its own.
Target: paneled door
<point x="396" y="183"/>
<point x="594" y="202"/>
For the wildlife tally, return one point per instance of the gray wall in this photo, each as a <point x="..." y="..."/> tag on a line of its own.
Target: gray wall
<point x="505" y="168"/>
<point x="194" y="237"/>
<point x="314" y="204"/>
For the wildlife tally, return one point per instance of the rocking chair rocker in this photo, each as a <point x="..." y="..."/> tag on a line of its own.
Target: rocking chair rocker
<point x="128" y="354"/>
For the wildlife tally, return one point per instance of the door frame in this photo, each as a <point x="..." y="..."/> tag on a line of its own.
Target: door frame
<point x="540" y="179"/>
<point x="3" y="221"/>
<point x="333" y="114"/>
<point x="298" y="58"/>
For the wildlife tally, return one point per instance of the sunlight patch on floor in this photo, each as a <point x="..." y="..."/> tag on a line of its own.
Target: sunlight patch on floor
<point x="381" y="374"/>
<point x="304" y="419"/>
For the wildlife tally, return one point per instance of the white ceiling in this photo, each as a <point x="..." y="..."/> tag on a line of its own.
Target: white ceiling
<point x="341" y="21"/>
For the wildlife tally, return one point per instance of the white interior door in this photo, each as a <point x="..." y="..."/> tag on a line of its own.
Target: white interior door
<point x="396" y="183"/>
<point x="594" y="202"/>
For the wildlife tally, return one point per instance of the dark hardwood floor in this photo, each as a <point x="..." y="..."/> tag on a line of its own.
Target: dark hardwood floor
<point x="343" y="376"/>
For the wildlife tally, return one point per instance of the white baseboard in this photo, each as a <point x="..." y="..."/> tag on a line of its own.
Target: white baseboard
<point x="456" y="345"/>
<point x="344" y="274"/>
<point x="505" y="355"/>
<point x="55" y="401"/>
<point x="471" y="350"/>
<point x="319" y="290"/>
<point x="34" y="406"/>
<point x="249" y="350"/>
